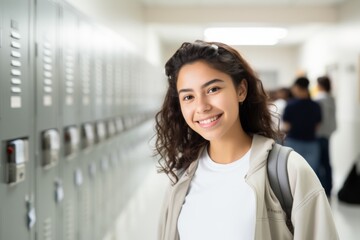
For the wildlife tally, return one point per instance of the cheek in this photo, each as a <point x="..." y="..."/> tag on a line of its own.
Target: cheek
<point x="232" y="104"/>
<point x="228" y="102"/>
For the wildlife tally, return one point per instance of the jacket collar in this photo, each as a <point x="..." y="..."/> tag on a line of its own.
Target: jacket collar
<point x="260" y="149"/>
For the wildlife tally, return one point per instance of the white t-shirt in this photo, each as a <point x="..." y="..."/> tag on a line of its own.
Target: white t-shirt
<point x="220" y="205"/>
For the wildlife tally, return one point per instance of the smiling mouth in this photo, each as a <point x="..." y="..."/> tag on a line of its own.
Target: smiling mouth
<point x="210" y="121"/>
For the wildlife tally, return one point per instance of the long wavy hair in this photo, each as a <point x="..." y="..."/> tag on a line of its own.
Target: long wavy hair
<point x="177" y="144"/>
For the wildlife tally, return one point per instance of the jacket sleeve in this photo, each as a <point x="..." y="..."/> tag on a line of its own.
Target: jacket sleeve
<point x="311" y="213"/>
<point x="164" y="214"/>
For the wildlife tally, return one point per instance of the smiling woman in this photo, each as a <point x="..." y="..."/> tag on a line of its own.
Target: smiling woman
<point x="210" y="105"/>
<point x="214" y="134"/>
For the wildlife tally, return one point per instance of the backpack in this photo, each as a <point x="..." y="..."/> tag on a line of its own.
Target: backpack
<point x="350" y="191"/>
<point x="279" y="180"/>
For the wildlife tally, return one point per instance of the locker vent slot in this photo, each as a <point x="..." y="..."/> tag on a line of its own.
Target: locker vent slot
<point x="86" y="208"/>
<point x="109" y="85"/>
<point x="98" y="81"/>
<point x="85" y="78"/>
<point x="15" y="66"/>
<point x="69" y="221"/>
<point x="47" y="229"/>
<point x="47" y="71"/>
<point x="117" y="86"/>
<point x="69" y="75"/>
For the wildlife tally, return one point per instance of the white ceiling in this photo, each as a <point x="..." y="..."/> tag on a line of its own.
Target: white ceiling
<point x="175" y="21"/>
<point x="237" y="2"/>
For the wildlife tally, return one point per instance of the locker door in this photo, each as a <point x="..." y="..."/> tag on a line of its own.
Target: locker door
<point x="49" y="187"/>
<point x="117" y="81"/>
<point x="86" y="84"/>
<point x="86" y="213"/>
<point x="69" y="78"/>
<point x="70" y="172"/>
<point x="99" y="81"/>
<point x="109" y="77"/>
<point x="16" y="122"/>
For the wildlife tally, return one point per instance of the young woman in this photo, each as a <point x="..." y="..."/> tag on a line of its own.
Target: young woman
<point x="214" y="133"/>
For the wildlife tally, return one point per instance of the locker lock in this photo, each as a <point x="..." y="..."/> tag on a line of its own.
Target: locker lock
<point x="87" y="135"/>
<point x="71" y="141"/>
<point x="111" y="128"/>
<point x="17" y="155"/>
<point x="100" y="132"/>
<point x="119" y="125"/>
<point x="50" y="148"/>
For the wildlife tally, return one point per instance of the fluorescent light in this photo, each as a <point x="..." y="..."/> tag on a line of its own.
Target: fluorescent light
<point x="245" y="36"/>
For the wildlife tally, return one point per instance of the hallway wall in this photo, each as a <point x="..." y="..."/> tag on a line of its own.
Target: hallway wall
<point x="124" y="17"/>
<point x="336" y="51"/>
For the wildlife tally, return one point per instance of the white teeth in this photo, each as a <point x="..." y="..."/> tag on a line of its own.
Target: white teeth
<point x="207" y="121"/>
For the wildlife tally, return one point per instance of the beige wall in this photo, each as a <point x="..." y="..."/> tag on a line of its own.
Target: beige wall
<point x="125" y="17"/>
<point x="336" y="51"/>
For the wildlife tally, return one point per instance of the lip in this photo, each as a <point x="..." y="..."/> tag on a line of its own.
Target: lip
<point x="210" y="121"/>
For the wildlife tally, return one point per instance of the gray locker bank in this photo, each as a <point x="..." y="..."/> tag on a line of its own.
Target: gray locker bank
<point x="73" y="107"/>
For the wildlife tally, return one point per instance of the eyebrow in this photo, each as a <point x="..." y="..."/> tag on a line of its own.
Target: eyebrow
<point x="202" y="86"/>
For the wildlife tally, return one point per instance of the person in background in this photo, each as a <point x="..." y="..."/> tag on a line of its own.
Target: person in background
<point x="327" y="127"/>
<point x="213" y="136"/>
<point x="279" y="98"/>
<point x="302" y="117"/>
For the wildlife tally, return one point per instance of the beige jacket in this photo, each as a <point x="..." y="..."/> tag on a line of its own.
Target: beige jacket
<point x="311" y="213"/>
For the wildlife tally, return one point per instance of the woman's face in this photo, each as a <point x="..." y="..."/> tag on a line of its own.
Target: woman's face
<point x="209" y="100"/>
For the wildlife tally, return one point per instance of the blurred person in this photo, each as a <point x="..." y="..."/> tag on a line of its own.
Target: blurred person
<point x="327" y="127"/>
<point x="213" y="136"/>
<point x="279" y="98"/>
<point x="302" y="117"/>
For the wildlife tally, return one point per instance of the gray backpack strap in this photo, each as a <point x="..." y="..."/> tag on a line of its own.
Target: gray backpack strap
<point x="279" y="180"/>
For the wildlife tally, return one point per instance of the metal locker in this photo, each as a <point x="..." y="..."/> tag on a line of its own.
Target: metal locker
<point x="72" y="179"/>
<point x="87" y="202"/>
<point x="109" y="77"/>
<point x="70" y="172"/>
<point x="99" y="45"/>
<point x="49" y="186"/>
<point x="68" y="74"/>
<point x="106" y="197"/>
<point x="86" y="84"/>
<point x="117" y="81"/>
<point x="16" y="122"/>
<point x="98" y="200"/>
<point x="85" y="211"/>
<point x="100" y="162"/>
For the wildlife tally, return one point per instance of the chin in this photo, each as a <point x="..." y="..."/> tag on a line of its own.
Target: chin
<point x="209" y="137"/>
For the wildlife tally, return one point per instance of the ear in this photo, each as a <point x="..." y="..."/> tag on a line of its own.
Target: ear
<point x="242" y="90"/>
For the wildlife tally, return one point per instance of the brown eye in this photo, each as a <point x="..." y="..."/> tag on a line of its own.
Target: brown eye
<point x="214" y="89"/>
<point x="187" y="98"/>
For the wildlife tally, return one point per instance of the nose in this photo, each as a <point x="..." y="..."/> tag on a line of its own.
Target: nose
<point x="203" y="105"/>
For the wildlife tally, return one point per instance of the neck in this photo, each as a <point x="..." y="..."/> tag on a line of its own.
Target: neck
<point x="230" y="149"/>
<point x="303" y="95"/>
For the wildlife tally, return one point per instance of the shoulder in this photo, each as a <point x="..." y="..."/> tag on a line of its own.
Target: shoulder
<point x="302" y="177"/>
<point x="292" y="102"/>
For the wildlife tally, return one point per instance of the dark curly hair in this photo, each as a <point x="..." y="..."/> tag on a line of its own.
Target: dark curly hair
<point x="177" y="144"/>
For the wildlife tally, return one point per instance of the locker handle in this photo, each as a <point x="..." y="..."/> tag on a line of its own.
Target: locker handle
<point x="59" y="191"/>
<point x="31" y="213"/>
